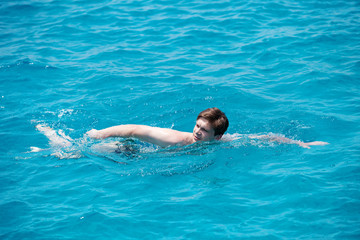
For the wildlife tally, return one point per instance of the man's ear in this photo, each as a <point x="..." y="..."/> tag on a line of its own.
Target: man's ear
<point x="217" y="137"/>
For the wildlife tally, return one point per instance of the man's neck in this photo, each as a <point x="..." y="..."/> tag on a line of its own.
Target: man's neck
<point x="189" y="138"/>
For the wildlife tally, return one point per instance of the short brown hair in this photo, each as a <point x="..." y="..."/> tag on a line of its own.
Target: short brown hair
<point x="217" y="119"/>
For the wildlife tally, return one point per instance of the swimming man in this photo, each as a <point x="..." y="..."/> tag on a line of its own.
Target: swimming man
<point x="211" y="124"/>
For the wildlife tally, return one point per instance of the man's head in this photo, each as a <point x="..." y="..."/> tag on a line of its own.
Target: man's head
<point x="210" y="124"/>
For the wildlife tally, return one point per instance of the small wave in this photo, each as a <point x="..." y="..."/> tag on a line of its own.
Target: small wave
<point x="65" y="112"/>
<point x="26" y="64"/>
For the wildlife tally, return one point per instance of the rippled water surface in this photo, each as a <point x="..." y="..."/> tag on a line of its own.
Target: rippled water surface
<point x="283" y="67"/>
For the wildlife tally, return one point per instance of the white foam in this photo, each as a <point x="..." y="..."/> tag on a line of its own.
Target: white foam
<point x="56" y="140"/>
<point x="36" y="149"/>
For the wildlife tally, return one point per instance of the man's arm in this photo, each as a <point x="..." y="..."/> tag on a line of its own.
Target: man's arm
<point x="160" y="136"/>
<point x="280" y="139"/>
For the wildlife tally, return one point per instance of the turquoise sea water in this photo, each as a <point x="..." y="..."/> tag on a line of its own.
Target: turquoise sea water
<point x="283" y="67"/>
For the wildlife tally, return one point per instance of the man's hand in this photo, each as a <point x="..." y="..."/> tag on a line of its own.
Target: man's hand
<point x="307" y="145"/>
<point x="93" y="133"/>
<point x="279" y="139"/>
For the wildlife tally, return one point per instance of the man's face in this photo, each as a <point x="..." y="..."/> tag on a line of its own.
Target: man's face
<point x="203" y="131"/>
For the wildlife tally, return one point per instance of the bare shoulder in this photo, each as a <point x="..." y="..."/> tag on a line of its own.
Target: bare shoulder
<point x="174" y="137"/>
<point x="163" y="136"/>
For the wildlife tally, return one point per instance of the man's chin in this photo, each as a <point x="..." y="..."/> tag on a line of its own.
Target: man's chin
<point x="197" y="139"/>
